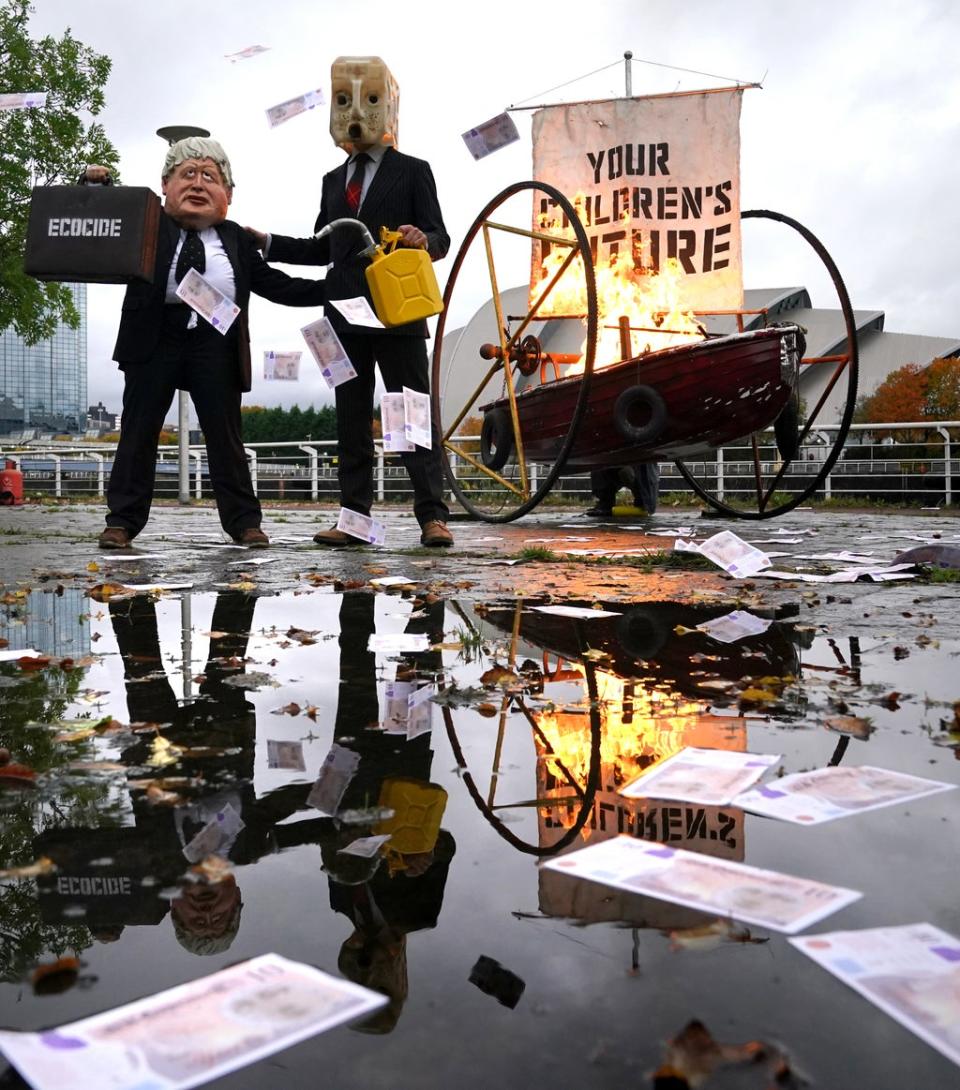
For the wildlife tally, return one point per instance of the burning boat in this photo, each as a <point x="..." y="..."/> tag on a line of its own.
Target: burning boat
<point x="636" y="265"/>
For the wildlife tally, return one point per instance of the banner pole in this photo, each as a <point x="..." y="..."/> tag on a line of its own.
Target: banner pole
<point x="628" y="73"/>
<point x="665" y="94"/>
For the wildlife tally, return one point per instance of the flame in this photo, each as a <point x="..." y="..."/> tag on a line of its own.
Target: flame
<point x="654" y="302"/>
<point x="640" y="727"/>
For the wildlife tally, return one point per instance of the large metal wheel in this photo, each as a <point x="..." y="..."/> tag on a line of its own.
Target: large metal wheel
<point x="752" y="487"/>
<point x="511" y="703"/>
<point x="474" y="394"/>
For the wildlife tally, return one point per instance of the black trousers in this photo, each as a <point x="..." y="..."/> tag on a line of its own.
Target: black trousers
<point x="203" y="362"/>
<point x="222" y="718"/>
<point x="643" y="480"/>
<point x="358" y="705"/>
<point x="403" y="362"/>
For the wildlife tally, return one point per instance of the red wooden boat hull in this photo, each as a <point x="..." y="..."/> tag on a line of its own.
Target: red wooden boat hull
<point x="711" y="393"/>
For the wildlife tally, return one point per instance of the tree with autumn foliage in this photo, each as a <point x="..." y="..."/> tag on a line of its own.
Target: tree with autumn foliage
<point x="900" y="397"/>
<point x="942" y="390"/>
<point x="914" y="393"/>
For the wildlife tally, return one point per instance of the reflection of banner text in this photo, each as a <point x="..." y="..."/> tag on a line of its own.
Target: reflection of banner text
<point x="716" y="830"/>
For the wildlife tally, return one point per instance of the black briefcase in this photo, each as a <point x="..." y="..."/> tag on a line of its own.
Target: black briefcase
<point x="92" y="234"/>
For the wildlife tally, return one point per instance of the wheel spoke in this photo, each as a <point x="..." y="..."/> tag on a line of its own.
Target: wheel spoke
<point x="491" y="473"/>
<point x="765" y="502"/>
<point x="472" y="400"/>
<point x="507" y="371"/>
<point x="500" y="480"/>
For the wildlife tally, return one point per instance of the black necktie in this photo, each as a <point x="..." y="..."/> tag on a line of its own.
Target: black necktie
<point x="355" y="185"/>
<point x="192" y="256"/>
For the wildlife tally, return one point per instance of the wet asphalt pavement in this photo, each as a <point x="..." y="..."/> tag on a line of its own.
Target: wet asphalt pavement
<point x="498" y="973"/>
<point x="58" y="543"/>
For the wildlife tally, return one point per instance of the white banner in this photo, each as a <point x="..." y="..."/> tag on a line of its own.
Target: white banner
<point x="660" y="176"/>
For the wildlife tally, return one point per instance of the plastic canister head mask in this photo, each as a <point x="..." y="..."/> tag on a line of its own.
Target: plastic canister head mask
<point x="364" y="103"/>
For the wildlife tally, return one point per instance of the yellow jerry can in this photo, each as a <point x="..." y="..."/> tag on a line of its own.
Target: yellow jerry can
<point x="417" y="812"/>
<point x="402" y="282"/>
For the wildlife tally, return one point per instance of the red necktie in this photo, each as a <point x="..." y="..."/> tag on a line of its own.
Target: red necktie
<point x="355" y="185"/>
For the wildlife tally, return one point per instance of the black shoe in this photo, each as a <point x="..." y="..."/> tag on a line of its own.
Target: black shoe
<point x="599" y="511"/>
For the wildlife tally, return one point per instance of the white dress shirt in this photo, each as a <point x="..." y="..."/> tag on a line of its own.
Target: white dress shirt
<point x="218" y="272"/>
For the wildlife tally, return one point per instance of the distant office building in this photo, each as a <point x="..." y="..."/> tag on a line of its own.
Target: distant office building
<point x="99" y="420"/>
<point x="51" y="623"/>
<point x="43" y="388"/>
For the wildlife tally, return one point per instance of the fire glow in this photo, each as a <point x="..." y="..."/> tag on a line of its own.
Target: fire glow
<point x="641" y="726"/>
<point x="654" y="302"/>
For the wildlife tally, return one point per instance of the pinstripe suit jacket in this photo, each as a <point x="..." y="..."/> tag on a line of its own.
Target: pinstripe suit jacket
<point x="402" y="191"/>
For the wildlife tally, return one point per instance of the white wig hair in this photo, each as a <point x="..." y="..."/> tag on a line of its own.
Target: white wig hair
<point x="197" y="147"/>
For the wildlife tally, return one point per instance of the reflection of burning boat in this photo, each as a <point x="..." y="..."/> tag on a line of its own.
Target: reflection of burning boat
<point x="641" y="642"/>
<point x="679" y="402"/>
<point x="639" y="705"/>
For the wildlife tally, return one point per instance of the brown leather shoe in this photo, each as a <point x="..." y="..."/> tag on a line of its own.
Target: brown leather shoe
<point x="253" y="537"/>
<point x="337" y="539"/>
<point x="114" y="537"/>
<point x="435" y="534"/>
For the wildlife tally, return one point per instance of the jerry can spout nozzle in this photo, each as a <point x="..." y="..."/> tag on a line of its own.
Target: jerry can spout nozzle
<point x="371" y="247"/>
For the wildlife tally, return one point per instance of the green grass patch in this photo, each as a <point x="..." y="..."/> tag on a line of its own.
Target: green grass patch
<point x="941" y="575"/>
<point x="537" y="552"/>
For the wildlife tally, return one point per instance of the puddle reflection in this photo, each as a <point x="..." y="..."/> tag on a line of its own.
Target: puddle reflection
<point x="225" y="774"/>
<point x="606" y="698"/>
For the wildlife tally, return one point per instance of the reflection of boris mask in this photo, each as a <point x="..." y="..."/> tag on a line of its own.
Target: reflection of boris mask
<point x="364" y="103"/>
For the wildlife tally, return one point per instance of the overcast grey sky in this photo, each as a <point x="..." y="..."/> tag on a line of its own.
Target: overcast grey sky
<point x="854" y="133"/>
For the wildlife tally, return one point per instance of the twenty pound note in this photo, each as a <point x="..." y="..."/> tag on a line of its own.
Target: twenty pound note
<point x="491" y="136"/>
<point x="193" y="1033"/>
<point x="276" y="115"/>
<point x="24" y="100"/>
<point x="393" y="422"/>
<point x="416" y="411"/>
<point x="362" y="527"/>
<point x="713" y="777"/>
<point x="324" y="344"/>
<point x="912" y="972"/>
<point x="209" y="302"/>
<point x="765" y="897"/>
<point x="281" y="366"/>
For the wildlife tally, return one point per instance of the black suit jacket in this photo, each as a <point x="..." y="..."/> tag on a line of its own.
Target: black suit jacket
<point x="402" y="191"/>
<point x="141" y="319"/>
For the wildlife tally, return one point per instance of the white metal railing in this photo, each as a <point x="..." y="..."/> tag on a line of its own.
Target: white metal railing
<point x="876" y="463"/>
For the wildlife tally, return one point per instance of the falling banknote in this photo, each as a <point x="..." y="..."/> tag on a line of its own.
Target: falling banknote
<point x="416" y="411"/>
<point x="244" y="54"/>
<point x="393" y="422"/>
<point x="25" y="100"/>
<point x="281" y="366"/>
<point x="283" y="111"/>
<point x="209" y="302"/>
<point x="324" y="344"/>
<point x="361" y="526"/>
<point x="491" y="136"/>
